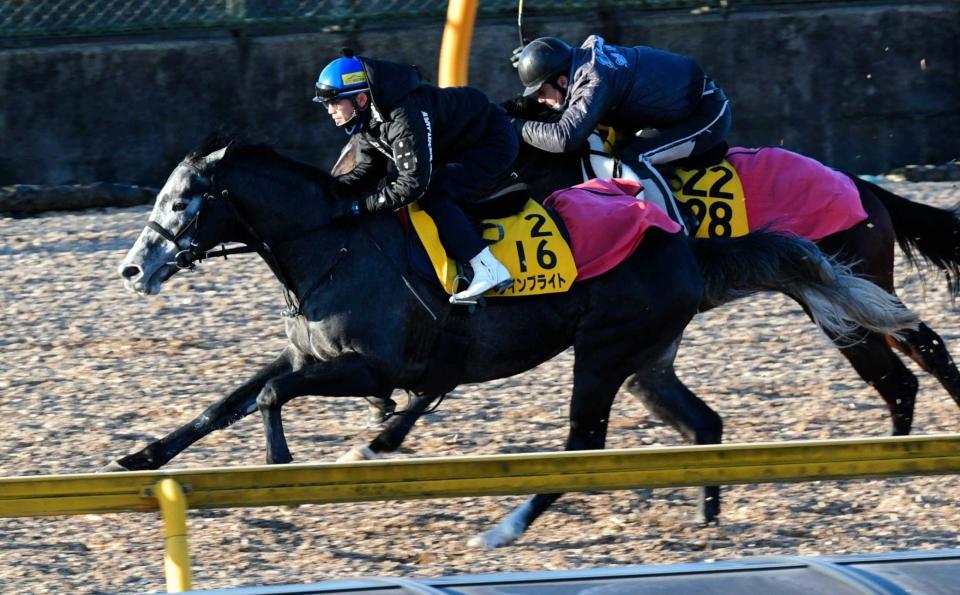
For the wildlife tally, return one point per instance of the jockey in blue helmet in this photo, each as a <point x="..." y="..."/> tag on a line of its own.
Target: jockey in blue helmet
<point x="447" y="146"/>
<point x="344" y="78"/>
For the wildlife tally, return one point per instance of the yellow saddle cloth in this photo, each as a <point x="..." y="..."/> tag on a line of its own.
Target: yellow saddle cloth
<point x="715" y="195"/>
<point x="529" y="244"/>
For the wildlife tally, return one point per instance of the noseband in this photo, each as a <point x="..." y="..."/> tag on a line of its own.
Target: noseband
<point x="186" y="258"/>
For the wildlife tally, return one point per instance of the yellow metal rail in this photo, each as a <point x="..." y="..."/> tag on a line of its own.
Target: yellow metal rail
<point x="176" y="559"/>
<point x="455" y="47"/>
<point x="486" y="475"/>
<point x="447" y="477"/>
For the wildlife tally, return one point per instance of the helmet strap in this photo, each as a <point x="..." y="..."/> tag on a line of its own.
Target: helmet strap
<point x="358" y="122"/>
<point x="564" y="92"/>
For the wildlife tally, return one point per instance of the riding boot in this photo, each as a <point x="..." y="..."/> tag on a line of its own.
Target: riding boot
<point x="488" y="273"/>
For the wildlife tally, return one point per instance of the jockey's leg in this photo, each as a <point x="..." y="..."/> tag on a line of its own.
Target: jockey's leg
<point x="468" y="177"/>
<point x="704" y="129"/>
<point x="657" y="191"/>
<point x="459" y="235"/>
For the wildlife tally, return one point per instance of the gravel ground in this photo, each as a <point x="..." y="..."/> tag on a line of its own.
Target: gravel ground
<point x="90" y="373"/>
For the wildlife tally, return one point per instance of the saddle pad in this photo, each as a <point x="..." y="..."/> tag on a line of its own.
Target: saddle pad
<point x="715" y="194"/>
<point x="606" y="222"/>
<point x="529" y="244"/>
<point x="789" y="193"/>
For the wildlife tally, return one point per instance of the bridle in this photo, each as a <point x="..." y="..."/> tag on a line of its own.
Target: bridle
<point x="187" y="258"/>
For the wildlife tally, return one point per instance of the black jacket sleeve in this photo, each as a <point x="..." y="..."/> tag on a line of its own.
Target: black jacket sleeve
<point x="588" y="103"/>
<point x="409" y="136"/>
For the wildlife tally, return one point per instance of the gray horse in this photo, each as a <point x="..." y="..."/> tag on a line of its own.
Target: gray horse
<point x="360" y="324"/>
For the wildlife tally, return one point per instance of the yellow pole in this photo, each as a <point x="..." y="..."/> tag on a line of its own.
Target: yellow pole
<point x="176" y="558"/>
<point x="455" y="48"/>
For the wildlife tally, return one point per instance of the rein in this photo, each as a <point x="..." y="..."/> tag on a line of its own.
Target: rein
<point x="406" y="281"/>
<point x="187" y="258"/>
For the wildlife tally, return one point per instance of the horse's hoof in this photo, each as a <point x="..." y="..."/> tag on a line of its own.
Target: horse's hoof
<point x="480" y="542"/>
<point x="708" y="518"/>
<point x="358" y="453"/>
<point x="501" y="535"/>
<point x="112" y="467"/>
<point x="487" y="540"/>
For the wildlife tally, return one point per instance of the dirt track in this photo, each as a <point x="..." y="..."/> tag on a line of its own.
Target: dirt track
<point x="90" y="373"/>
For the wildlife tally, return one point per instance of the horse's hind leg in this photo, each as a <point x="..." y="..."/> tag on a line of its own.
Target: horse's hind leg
<point x="925" y="347"/>
<point x="880" y="367"/>
<point x="394" y="431"/>
<point x="668" y="399"/>
<point x="593" y="394"/>
<point x="221" y="414"/>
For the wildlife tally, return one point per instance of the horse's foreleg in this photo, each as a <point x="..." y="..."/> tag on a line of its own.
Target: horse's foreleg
<point x="670" y="400"/>
<point x="344" y="376"/>
<point x="221" y="414"/>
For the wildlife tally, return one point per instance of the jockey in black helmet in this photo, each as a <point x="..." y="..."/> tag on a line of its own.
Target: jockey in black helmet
<point x="447" y="145"/>
<point x="661" y="105"/>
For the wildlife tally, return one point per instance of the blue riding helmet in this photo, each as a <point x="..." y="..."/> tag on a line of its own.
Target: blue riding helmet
<point x="344" y="77"/>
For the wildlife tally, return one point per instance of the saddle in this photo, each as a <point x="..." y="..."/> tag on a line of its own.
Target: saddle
<point x="733" y="190"/>
<point x="707" y="185"/>
<point x="531" y="243"/>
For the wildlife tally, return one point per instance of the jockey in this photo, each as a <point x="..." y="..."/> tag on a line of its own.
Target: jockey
<point x="448" y="145"/>
<point x="661" y="106"/>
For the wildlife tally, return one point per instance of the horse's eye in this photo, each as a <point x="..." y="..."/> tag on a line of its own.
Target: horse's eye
<point x="179" y="206"/>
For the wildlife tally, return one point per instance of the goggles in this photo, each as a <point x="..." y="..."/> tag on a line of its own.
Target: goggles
<point x="327" y="95"/>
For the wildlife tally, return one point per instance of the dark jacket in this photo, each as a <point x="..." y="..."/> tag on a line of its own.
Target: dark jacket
<point x="415" y="125"/>
<point x="626" y="88"/>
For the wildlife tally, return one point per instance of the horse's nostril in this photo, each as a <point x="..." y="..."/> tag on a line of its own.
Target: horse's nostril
<point x="129" y="272"/>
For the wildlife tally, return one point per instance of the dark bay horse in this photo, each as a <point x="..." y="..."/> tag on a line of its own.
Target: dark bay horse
<point x="360" y="324"/>
<point x="923" y="233"/>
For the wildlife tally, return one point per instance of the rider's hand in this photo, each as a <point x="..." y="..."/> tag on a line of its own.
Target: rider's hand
<point x="515" y="56"/>
<point x="515" y="106"/>
<point x="345" y="208"/>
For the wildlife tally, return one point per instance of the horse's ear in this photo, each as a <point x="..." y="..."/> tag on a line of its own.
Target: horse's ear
<point x="216" y="156"/>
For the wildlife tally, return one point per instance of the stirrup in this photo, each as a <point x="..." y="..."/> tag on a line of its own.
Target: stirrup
<point x="465" y="302"/>
<point x="456" y="283"/>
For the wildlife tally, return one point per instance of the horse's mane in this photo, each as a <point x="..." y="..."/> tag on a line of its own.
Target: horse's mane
<point x="239" y="147"/>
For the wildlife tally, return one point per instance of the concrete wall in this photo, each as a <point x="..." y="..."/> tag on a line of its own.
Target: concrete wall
<point x="867" y="88"/>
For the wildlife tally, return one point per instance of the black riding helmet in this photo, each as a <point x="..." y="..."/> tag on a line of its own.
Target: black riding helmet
<point x="541" y="61"/>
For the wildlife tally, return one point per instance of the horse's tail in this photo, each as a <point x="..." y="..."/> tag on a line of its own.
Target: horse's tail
<point x="922" y="231"/>
<point x="838" y="301"/>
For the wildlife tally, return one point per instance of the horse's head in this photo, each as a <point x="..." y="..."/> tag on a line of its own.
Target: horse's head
<point x="236" y="193"/>
<point x="186" y="221"/>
